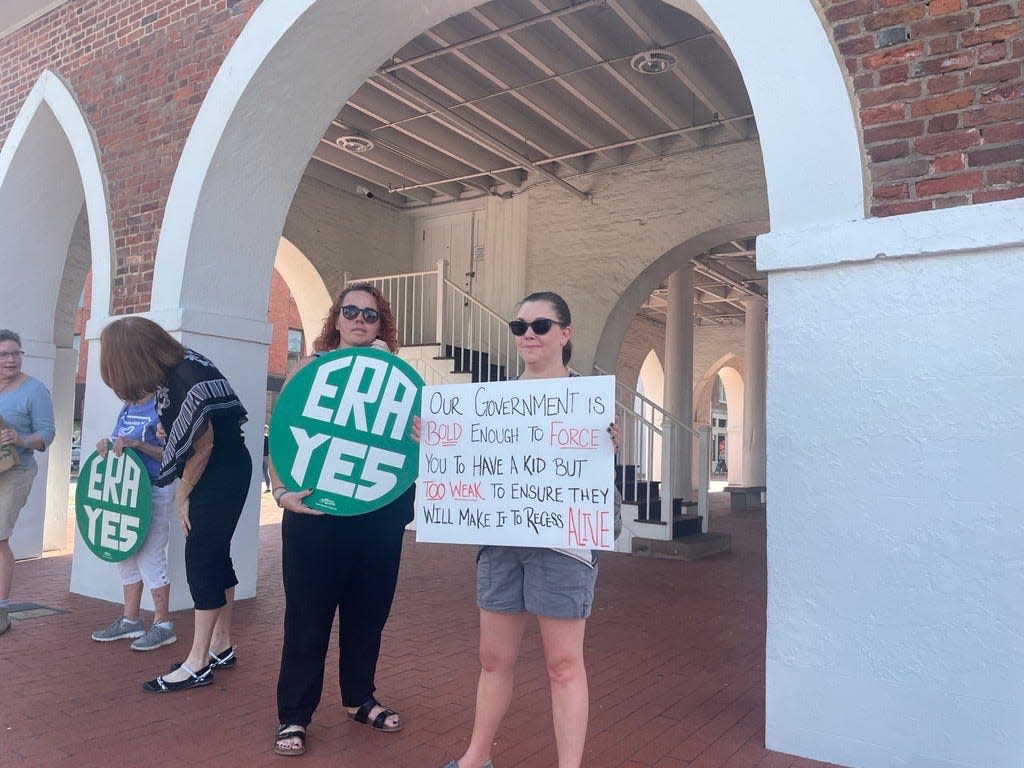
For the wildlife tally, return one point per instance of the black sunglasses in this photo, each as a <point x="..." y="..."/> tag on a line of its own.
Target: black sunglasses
<point x="540" y="326"/>
<point x="351" y="312"/>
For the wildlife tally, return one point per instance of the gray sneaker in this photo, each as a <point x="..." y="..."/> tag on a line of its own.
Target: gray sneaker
<point x="122" y="629"/>
<point x="155" y="637"/>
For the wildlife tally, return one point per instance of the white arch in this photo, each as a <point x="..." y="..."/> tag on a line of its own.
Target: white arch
<point x="810" y="136"/>
<point x="49" y="167"/>
<point x="31" y="160"/>
<point x="324" y="51"/>
<point x="637" y="292"/>
<point x="306" y="285"/>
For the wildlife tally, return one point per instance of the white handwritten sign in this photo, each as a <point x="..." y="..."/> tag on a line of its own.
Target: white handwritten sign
<point x="520" y="463"/>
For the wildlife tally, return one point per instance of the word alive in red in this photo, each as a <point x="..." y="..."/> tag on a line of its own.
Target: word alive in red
<point x="589" y="529"/>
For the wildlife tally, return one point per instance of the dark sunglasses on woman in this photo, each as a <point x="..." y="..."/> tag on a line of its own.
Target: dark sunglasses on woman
<point x="351" y="312"/>
<point x="540" y="326"/>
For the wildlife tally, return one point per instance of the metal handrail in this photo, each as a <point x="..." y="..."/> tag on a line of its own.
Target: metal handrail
<point x="668" y="424"/>
<point x="474" y="330"/>
<point x="648" y="402"/>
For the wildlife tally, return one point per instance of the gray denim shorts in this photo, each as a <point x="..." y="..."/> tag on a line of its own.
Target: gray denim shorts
<point x="541" y="581"/>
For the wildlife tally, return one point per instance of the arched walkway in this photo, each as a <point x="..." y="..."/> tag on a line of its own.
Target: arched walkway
<point x="637" y="292"/>
<point x="54" y="225"/>
<point x="307" y="287"/>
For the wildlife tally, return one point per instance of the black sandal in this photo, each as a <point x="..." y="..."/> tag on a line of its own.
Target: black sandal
<point x="379" y="723"/>
<point x="290" y="732"/>
<point x="194" y="680"/>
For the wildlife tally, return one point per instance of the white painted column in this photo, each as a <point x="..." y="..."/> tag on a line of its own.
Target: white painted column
<point x="734" y="451"/>
<point x="754" y="370"/>
<point x="238" y="347"/>
<point x="679" y="376"/>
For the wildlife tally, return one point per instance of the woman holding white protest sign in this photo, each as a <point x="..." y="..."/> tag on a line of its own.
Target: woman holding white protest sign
<point x="338" y="563"/>
<point x="555" y="585"/>
<point x="138" y="427"/>
<point x="205" y="451"/>
<point x="26" y="426"/>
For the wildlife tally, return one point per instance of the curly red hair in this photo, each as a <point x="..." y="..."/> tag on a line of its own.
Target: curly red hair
<point x="329" y="337"/>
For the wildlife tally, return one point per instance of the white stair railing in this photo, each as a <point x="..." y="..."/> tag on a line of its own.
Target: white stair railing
<point x="431" y="309"/>
<point x="647" y="431"/>
<point x="414" y="300"/>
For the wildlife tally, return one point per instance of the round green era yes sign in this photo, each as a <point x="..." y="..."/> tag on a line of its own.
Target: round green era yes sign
<point x="113" y="500"/>
<point x="341" y="428"/>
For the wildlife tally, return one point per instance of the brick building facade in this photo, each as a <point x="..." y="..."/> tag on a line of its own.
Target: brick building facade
<point x="884" y="189"/>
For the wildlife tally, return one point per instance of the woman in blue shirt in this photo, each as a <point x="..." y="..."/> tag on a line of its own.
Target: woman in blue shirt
<point x="138" y="428"/>
<point x="27" y="413"/>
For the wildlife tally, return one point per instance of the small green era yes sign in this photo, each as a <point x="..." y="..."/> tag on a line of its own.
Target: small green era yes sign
<point x="113" y="500"/>
<point x="341" y="428"/>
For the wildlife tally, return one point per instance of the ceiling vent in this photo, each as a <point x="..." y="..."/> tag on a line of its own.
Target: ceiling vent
<point x="653" y="62"/>
<point x="354" y="144"/>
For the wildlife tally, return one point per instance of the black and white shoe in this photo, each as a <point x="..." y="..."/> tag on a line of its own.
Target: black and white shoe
<point x="195" y="680"/>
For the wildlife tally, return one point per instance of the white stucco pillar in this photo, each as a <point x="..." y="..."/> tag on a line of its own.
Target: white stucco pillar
<point x="734" y="452"/>
<point x="754" y="369"/>
<point x="238" y="347"/>
<point x="679" y="375"/>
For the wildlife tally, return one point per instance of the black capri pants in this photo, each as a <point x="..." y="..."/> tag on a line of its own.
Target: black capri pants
<point x="215" y="505"/>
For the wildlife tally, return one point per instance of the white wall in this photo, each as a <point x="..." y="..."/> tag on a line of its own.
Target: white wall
<point x="591" y="251"/>
<point x="341" y="232"/>
<point x="895" y="414"/>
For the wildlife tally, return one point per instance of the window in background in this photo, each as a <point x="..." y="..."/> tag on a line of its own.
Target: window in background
<point x="294" y="347"/>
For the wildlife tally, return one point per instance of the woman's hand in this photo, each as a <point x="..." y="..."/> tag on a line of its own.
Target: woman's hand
<point x="613" y="431"/>
<point x="380" y="344"/>
<point x="102" y="446"/>
<point x="414" y="430"/>
<point x="121" y="443"/>
<point x="182" y="504"/>
<point x="293" y="502"/>
<point x="9" y="436"/>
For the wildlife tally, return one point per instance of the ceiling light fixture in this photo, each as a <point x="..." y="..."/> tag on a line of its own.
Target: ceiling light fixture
<point x="652" y="62"/>
<point x="354" y="144"/>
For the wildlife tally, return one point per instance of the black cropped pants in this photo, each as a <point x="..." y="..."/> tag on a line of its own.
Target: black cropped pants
<point x="343" y="565"/>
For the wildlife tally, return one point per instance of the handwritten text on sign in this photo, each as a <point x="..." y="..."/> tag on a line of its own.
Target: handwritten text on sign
<point x="520" y="463"/>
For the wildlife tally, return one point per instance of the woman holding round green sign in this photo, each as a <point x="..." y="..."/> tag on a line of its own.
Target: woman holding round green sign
<point x="138" y="428"/>
<point x="339" y="554"/>
<point x="202" y="419"/>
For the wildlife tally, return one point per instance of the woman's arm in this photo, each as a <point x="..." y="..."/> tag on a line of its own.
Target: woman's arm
<point x="195" y="465"/>
<point x="149" y="449"/>
<point x="40" y="409"/>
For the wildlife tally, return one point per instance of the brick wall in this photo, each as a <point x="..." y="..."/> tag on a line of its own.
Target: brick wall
<point x="140" y="71"/>
<point x="941" y="98"/>
<point x="939" y="86"/>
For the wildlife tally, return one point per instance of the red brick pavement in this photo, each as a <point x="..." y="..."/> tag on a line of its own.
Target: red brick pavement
<point x="675" y="655"/>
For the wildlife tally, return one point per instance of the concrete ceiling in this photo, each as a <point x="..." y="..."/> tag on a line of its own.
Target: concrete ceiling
<point x="516" y="92"/>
